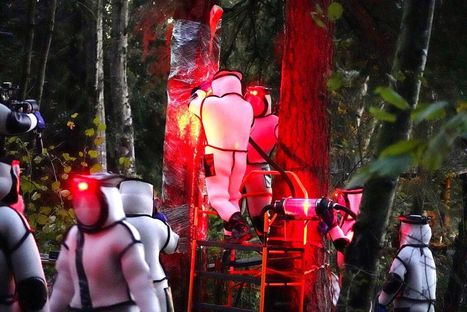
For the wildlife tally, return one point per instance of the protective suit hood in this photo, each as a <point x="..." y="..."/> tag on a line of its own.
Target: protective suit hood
<point x="137" y="197"/>
<point x="96" y="201"/>
<point x="260" y="99"/>
<point x="414" y="229"/>
<point x="227" y="81"/>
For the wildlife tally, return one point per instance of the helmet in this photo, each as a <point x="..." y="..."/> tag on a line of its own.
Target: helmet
<point x="9" y="181"/>
<point x="137" y="197"/>
<point x="414" y="229"/>
<point x="260" y="99"/>
<point x="96" y="200"/>
<point x="227" y="81"/>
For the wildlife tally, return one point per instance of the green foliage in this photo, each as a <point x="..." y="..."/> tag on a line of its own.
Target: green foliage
<point x="335" y="11"/>
<point x="44" y="184"/>
<point x="390" y="96"/>
<point x="382" y="115"/>
<point x="428" y="153"/>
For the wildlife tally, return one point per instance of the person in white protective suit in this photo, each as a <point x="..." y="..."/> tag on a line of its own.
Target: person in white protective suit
<point x="156" y="235"/>
<point x="226" y="119"/>
<point x="13" y="123"/>
<point x="101" y="265"/>
<point x="23" y="286"/>
<point x="411" y="282"/>
<point x="263" y="133"/>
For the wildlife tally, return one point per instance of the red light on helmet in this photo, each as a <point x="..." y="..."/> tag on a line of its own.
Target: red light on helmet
<point x="254" y="92"/>
<point x="83" y="186"/>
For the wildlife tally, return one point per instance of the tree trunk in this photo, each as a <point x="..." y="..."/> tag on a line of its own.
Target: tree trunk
<point x="183" y="181"/>
<point x="28" y="44"/>
<point x="45" y="52"/>
<point x="456" y="288"/>
<point x="303" y="145"/>
<point x="362" y="254"/>
<point x="100" y="142"/>
<point x="119" y="89"/>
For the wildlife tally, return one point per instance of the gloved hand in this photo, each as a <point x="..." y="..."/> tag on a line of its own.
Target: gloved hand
<point x="160" y="216"/>
<point x="326" y="213"/>
<point x="40" y="121"/>
<point x="380" y="308"/>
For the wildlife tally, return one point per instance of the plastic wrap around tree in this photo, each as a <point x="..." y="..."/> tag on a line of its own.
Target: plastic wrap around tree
<point x="194" y="59"/>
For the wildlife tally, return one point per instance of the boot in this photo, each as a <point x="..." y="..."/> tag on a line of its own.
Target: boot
<point x="239" y="228"/>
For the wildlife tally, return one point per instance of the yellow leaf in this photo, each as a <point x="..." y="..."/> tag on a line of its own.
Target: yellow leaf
<point x="96" y="121"/>
<point x="45" y="210"/>
<point x="93" y="153"/>
<point x="89" y="132"/>
<point x="101" y="127"/>
<point x="64" y="176"/>
<point x="70" y="124"/>
<point x="56" y="186"/>
<point x="96" y="168"/>
<point x="98" y="140"/>
<point x="67" y="157"/>
<point x="44" y="178"/>
<point x="67" y="169"/>
<point x="42" y="219"/>
<point x="81" y="154"/>
<point x="65" y="193"/>
<point x="84" y="164"/>
<point x="74" y="115"/>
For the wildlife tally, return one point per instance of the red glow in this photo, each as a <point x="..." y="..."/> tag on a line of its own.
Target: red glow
<point x="254" y="92"/>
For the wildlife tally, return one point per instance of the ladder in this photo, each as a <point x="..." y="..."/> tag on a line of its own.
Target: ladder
<point x="255" y="265"/>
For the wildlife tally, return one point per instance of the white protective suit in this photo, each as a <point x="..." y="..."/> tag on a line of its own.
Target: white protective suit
<point x="412" y="276"/>
<point x="226" y="119"/>
<point x="22" y="281"/>
<point x="156" y="235"/>
<point x="101" y="265"/>
<point x="258" y="187"/>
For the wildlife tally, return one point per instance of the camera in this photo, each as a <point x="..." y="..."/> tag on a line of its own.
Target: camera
<point x="9" y="97"/>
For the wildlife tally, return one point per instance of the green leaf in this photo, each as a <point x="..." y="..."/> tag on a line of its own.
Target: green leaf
<point x="56" y="186"/>
<point x="96" y="121"/>
<point x="96" y="168"/>
<point x="89" y="132"/>
<point x="360" y="178"/>
<point x="392" y="97"/>
<point x="67" y="157"/>
<point x="429" y="112"/>
<point x="74" y="115"/>
<point x="42" y="219"/>
<point x="391" y="166"/>
<point x="335" y="82"/>
<point x="335" y="11"/>
<point x="93" y="153"/>
<point x="401" y="147"/>
<point x="381" y="114"/>
<point x="45" y="210"/>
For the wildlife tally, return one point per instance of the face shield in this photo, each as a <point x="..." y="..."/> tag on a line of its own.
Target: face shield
<point x="137" y="197"/>
<point x="96" y="201"/>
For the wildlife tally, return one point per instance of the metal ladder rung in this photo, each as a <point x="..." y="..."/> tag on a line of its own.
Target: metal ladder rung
<point x="230" y="277"/>
<point x="227" y="245"/>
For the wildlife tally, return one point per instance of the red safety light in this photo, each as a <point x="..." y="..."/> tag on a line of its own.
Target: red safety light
<point x="83" y="186"/>
<point x="297" y="207"/>
<point x="254" y="92"/>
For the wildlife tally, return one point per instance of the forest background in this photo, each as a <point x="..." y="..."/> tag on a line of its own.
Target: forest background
<point x="365" y="34"/>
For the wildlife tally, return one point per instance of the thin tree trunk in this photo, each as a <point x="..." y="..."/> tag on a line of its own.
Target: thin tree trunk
<point x="99" y="89"/>
<point x="303" y="144"/>
<point x="28" y="44"/>
<point x="45" y="52"/>
<point x="119" y="88"/>
<point x="362" y="254"/>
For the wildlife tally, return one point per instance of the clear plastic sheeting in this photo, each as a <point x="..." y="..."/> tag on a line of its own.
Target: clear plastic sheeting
<point x="194" y="59"/>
